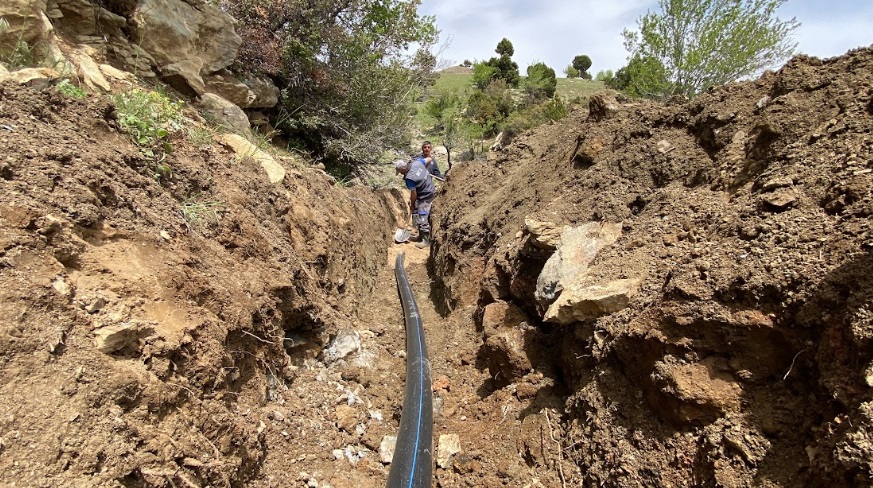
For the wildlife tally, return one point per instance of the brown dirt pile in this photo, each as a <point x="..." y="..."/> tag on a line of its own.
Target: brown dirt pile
<point x="744" y="356"/>
<point x="142" y="319"/>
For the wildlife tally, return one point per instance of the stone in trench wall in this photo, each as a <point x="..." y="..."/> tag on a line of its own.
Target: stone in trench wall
<point x="194" y="40"/>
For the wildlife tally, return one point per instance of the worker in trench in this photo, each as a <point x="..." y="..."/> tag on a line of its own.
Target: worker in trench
<point x="421" y="192"/>
<point x="427" y="158"/>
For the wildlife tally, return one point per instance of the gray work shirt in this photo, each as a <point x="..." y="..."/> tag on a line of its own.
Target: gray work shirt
<point x="418" y="178"/>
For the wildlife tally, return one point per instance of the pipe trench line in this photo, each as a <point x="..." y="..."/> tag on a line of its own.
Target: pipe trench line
<point x="412" y="466"/>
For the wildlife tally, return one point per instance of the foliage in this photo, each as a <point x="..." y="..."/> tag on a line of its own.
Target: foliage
<point x="642" y="77"/>
<point x="483" y="73"/>
<point x="535" y="115"/>
<point x="571" y="72"/>
<point x="500" y="68"/>
<point x="504" y="48"/>
<point x="582" y="62"/>
<point x="489" y="107"/>
<point x="604" y="75"/>
<point x="701" y="43"/>
<point x="199" y="136"/>
<point x="69" y="89"/>
<point x="149" y="117"/>
<point x="20" y="54"/>
<point x="348" y="77"/>
<point x="541" y="82"/>
<point x="440" y="105"/>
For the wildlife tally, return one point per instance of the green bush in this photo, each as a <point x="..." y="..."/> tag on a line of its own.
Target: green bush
<point x="541" y="82"/>
<point x="490" y="107"/>
<point x="535" y="115"/>
<point x="441" y="104"/>
<point x="149" y="117"/>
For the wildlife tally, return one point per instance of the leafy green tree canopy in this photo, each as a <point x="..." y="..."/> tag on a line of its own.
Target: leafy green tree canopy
<point x="571" y="72"/>
<point x="701" y="43"/>
<point x="582" y="62"/>
<point x="344" y="66"/>
<point x="504" y="48"/>
<point x="642" y="77"/>
<point x="541" y="82"/>
<point x="503" y="67"/>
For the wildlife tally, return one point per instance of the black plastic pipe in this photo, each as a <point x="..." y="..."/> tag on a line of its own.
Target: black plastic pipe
<point x="412" y="466"/>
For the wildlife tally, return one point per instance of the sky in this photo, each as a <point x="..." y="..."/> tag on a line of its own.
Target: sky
<point x="554" y="31"/>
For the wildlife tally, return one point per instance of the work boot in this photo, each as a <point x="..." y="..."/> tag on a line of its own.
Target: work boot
<point x="425" y="240"/>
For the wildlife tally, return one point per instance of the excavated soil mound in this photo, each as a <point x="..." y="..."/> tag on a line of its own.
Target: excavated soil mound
<point x="147" y="319"/>
<point x="720" y="334"/>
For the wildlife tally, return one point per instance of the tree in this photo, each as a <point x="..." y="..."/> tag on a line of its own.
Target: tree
<point x="582" y="62"/>
<point x="503" y="68"/>
<point x="504" y="48"/>
<point x="489" y="107"/>
<point x="642" y="77"/>
<point x="701" y="43"/>
<point x="347" y="73"/>
<point x="541" y="82"/>
<point x="483" y="73"/>
<point x="604" y="75"/>
<point x="571" y="72"/>
<point x="442" y="105"/>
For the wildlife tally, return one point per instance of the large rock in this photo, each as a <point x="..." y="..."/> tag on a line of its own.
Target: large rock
<point x="577" y="249"/>
<point x="266" y="93"/>
<point x="502" y="315"/>
<point x="245" y="149"/>
<point x="184" y="76"/>
<point x="118" y="337"/>
<point x="29" y="31"/>
<point x="84" y="19"/>
<point x="172" y="32"/>
<point x="88" y="69"/>
<point x="386" y="449"/>
<point x="30" y="76"/>
<point x="544" y="235"/>
<point x="508" y="341"/>
<point x="225" y="114"/>
<point x="581" y="301"/>
<point x="694" y="393"/>
<point x="231" y="89"/>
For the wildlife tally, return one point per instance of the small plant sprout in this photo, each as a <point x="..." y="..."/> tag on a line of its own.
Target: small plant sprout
<point x="69" y="89"/>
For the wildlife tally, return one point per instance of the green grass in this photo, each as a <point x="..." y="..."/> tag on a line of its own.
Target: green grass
<point x="454" y="82"/>
<point x="573" y="88"/>
<point x="569" y="88"/>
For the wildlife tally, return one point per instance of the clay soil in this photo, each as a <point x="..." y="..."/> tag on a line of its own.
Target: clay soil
<point x="183" y="330"/>
<point x="744" y="357"/>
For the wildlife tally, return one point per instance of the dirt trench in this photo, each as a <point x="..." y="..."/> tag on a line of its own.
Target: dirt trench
<point x="215" y="329"/>
<point x="208" y="327"/>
